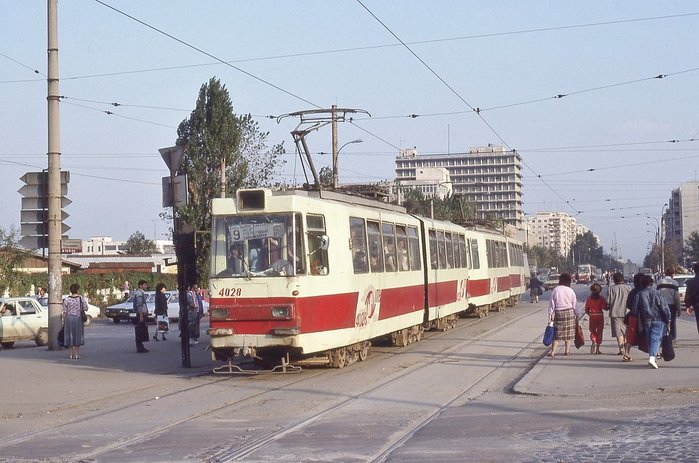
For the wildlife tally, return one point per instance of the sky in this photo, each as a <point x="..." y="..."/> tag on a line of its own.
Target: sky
<point x="609" y="151"/>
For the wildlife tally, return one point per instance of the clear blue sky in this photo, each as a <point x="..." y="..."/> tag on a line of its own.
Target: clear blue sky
<point x="602" y="150"/>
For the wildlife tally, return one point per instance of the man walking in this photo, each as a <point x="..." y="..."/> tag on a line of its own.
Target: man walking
<point x="616" y="300"/>
<point x="691" y="297"/>
<point x="670" y="290"/>
<point x="193" y="303"/>
<point x="139" y="304"/>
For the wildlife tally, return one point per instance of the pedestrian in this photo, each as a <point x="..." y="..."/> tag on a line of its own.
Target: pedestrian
<point x="670" y="290"/>
<point x="139" y="304"/>
<point x="535" y="289"/>
<point x="691" y="297"/>
<point x="41" y="296"/>
<point x="655" y="315"/>
<point x="160" y="310"/>
<point x="563" y="312"/>
<point x="193" y="314"/>
<point x="595" y="305"/>
<point x="617" y="296"/>
<point x="73" y="329"/>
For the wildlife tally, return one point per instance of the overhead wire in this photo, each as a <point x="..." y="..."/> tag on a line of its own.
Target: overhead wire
<point x="193" y="47"/>
<point x="461" y="98"/>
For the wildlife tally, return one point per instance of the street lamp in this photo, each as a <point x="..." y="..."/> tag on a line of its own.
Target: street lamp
<point x="662" y="238"/>
<point x="657" y="236"/>
<point x="336" y="180"/>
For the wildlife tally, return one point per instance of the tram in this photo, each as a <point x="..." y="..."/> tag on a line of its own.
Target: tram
<point x="297" y="274"/>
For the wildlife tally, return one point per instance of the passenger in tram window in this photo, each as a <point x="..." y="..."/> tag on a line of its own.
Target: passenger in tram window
<point x="254" y="255"/>
<point x="374" y="263"/>
<point x="390" y="257"/>
<point x="402" y="255"/>
<point x="360" y="263"/>
<point x="235" y="260"/>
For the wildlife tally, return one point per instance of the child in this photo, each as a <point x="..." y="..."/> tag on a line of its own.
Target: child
<point x="595" y="305"/>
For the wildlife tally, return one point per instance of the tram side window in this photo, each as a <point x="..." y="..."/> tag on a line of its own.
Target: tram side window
<point x="450" y="250"/>
<point x="462" y="251"/>
<point x="457" y="254"/>
<point x="389" y="246"/>
<point x="402" y="248"/>
<point x="475" y="258"/>
<point x="414" y="255"/>
<point x="375" y="246"/>
<point x="360" y="261"/>
<point x="433" y="250"/>
<point x="318" y="257"/>
<point x="442" y="250"/>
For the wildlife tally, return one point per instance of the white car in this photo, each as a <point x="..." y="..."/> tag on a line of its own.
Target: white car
<point x="29" y="321"/>
<point x="92" y="311"/>
<point x="681" y="280"/>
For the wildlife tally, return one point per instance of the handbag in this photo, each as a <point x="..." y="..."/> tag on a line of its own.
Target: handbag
<point x="539" y="291"/>
<point x="61" y="338"/>
<point x="141" y="333"/>
<point x="163" y="323"/>
<point x="83" y="314"/>
<point x="579" y="336"/>
<point x="668" y="348"/>
<point x="549" y="334"/>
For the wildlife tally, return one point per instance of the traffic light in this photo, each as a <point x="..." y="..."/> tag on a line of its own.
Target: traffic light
<point x="35" y="205"/>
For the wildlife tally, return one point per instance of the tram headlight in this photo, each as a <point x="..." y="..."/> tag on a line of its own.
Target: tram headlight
<point x="280" y="312"/>
<point x="218" y="314"/>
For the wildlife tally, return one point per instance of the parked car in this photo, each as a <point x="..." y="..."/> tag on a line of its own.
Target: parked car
<point x="29" y="321"/>
<point x="125" y="311"/>
<point x="681" y="280"/>
<point x="92" y="311"/>
<point x="551" y="282"/>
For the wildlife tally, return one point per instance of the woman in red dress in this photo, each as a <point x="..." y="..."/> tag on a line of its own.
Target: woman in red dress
<point x="595" y="305"/>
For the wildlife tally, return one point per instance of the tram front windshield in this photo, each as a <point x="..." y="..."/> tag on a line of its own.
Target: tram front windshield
<point x="258" y="246"/>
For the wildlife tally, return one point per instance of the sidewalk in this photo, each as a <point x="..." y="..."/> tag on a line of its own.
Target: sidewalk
<point x="585" y="374"/>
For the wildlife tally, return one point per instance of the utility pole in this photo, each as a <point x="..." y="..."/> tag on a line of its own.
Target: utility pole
<point x="55" y="221"/>
<point x="223" y="176"/>
<point x="336" y="179"/>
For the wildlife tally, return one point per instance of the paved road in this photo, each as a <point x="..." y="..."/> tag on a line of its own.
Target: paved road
<point x="482" y="392"/>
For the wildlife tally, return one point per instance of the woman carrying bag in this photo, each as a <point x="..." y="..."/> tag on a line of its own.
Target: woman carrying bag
<point x="73" y="329"/>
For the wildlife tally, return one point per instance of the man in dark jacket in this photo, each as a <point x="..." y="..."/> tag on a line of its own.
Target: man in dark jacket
<point x="691" y="297"/>
<point x="670" y="291"/>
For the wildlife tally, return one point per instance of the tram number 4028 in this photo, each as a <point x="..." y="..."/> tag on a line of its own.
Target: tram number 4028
<point x="230" y="292"/>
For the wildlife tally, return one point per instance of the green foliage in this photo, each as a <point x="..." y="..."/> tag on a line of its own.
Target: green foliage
<point x="326" y="177"/>
<point x="94" y="285"/>
<point x="691" y="250"/>
<point x="11" y="257"/>
<point x="138" y="244"/>
<point x="214" y="136"/>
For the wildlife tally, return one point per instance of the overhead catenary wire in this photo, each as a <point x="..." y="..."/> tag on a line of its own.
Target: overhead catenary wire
<point x="193" y="47"/>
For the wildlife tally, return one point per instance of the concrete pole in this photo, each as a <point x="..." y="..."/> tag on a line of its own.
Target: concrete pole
<point x="336" y="180"/>
<point x="55" y="224"/>
<point x="223" y="176"/>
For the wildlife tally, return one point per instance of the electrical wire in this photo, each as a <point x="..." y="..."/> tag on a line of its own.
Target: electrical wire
<point x="111" y="113"/>
<point x="170" y="36"/>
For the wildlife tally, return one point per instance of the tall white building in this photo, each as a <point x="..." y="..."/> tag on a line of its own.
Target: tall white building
<point x="682" y="216"/>
<point x="489" y="176"/>
<point x="555" y="230"/>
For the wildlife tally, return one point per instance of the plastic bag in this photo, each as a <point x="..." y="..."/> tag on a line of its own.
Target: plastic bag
<point x="549" y="334"/>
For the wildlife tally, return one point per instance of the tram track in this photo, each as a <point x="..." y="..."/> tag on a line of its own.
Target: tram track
<point x="271" y="438"/>
<point x="309" y="376"/>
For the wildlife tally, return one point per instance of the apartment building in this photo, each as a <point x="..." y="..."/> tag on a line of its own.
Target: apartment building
<point x="682" y="215"/>
<point x="489" y="176"/>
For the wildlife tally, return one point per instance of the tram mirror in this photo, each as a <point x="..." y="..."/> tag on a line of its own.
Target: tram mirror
<point x="324" y="242"/>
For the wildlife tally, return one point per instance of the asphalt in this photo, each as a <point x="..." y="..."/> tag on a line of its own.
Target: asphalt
<point x="109" y="367"/>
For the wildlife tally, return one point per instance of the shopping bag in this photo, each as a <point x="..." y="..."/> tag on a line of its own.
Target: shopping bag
<point x="642" y="338"/>
<point x="668" y="348"/>
<point x="141" y="333"/>
<point x="632" y="330"/>
<point x="549" y="334"/>
<point x="61" y="337"/>
<point x="579" y="336"/>
<point x="163" y="323"/>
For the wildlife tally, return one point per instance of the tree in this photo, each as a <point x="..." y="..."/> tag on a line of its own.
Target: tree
<point x="326" y="177"/>
<point x="213" y="136"/>
<point x="138" y="244"/>
<point x="691" y="250"/>
<point x="11" y="257"/>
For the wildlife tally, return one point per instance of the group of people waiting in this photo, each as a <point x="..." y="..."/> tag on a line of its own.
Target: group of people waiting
<point x="637" y="315"/>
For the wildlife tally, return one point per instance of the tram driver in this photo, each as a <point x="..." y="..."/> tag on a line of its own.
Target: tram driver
<point x="286" y="262"/>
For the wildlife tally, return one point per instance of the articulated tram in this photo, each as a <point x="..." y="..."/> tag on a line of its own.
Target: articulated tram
<point x="299" y="274"/>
